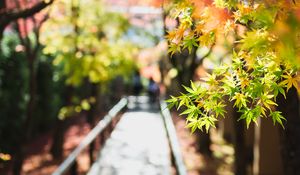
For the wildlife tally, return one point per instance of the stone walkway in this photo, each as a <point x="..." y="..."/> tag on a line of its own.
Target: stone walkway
<point x="138" y="145"/>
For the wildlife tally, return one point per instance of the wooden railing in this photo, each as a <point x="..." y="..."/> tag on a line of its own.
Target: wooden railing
<point x="177" y="159"/>
<point x="69" y="165"/>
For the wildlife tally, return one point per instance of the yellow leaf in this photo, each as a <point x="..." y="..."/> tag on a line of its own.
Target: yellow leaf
<point x="207" y="39"/>
<point x="198" y="28"/>
<point x="171" y="35"/>
<point x="180" y="32"/>
<point x="244" y="82"/>
<point x="291" y="81"/>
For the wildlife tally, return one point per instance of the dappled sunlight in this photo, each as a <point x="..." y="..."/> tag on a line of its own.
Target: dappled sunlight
<point x="75" y="135"/>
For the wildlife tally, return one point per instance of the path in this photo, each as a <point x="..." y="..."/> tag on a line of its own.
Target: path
<point x="138" y="145"/>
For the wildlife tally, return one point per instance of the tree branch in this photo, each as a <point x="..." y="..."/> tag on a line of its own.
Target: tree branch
<point x="29" y="11"/>
<point x="7" y="17"/>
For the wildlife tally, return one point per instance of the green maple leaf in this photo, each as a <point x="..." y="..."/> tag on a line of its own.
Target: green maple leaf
<point x="189" y="43"/>
<point x="277" y="117"/>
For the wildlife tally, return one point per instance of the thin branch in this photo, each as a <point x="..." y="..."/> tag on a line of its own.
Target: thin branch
<point x="36" y="34"/>
<point x="26" y="36"/>
<point x="37" y="31"/>
<point x="18" y="29"/>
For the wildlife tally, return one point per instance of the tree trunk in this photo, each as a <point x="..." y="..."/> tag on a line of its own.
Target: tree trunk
<point x="2" y="4"/>
<point x="186" y="65"/>
<point x="27" y="127"/>
<point x="91" y="118"/>
<point x="239" y="145"/>
<point x="58" y="139"/>
<point x="203" y="143"/>
<point x="1" y="36"/>
<point x="59" y="132"/>
<point x="290" y="136"/>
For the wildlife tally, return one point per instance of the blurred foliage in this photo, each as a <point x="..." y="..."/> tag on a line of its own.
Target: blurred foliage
<point x="88" y="47"/>
<point x="71" y="110"/>
<point x="13" y="92"/>
<point x="265" y="57"/>
<point x="87" y="41"/>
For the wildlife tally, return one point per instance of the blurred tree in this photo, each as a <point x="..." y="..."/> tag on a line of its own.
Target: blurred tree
<point x="13" y="87"/>
<point x="89" y="48"/>
<point x="31" y="48"/>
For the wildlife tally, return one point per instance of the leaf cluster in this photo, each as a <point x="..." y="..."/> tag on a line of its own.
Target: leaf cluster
<point x="265" y="58"/>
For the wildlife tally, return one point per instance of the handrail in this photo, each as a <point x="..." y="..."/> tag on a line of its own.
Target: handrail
<point x="91" y="136"/>
<point x="174" y="144"/>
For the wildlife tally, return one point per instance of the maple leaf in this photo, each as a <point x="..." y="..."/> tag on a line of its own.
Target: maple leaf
<point x="257" y="40"/>
<point x="180" y="32"/>
<point x="210" y="79"/>
<point x="198" y="28"/>
<point x="190" y="42"/>
<point x="240" y="100"/>
<point x="171" y="35"/>
<point x="173" y="48"/>
<point x="267" y="101"/>
<point x="244" y="82"/>
<point x="207" y="39"/>
<point x="291" y="81"/>
<point x="277" y="117"/>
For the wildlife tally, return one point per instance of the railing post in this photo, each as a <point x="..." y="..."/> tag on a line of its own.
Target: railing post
<point x="114" y="122"/>
<point x="101" y="140"/>
<point x="111" y="127"/>
<point x="103" y="137"/>
<point x="74" y="167"/>
<point x="91" y="153"/>
<point x="106" y="132"/>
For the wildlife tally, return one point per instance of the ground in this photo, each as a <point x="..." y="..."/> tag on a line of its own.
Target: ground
<point x="221" y="162"/>
<point x="40" y="162"/>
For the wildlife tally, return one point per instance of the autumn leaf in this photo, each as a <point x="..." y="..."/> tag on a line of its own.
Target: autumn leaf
<point x="244" y="82"/>
<point x="266" y="37"/>
<point x="240" y="100"/>
<point x="171" y="35"/>
<point x="291" y="81"/>
<point x="207" y="39"/>
<point x="199" y="28"/>
<point x="173" y="48"/>
<point x="180" y="33"/>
